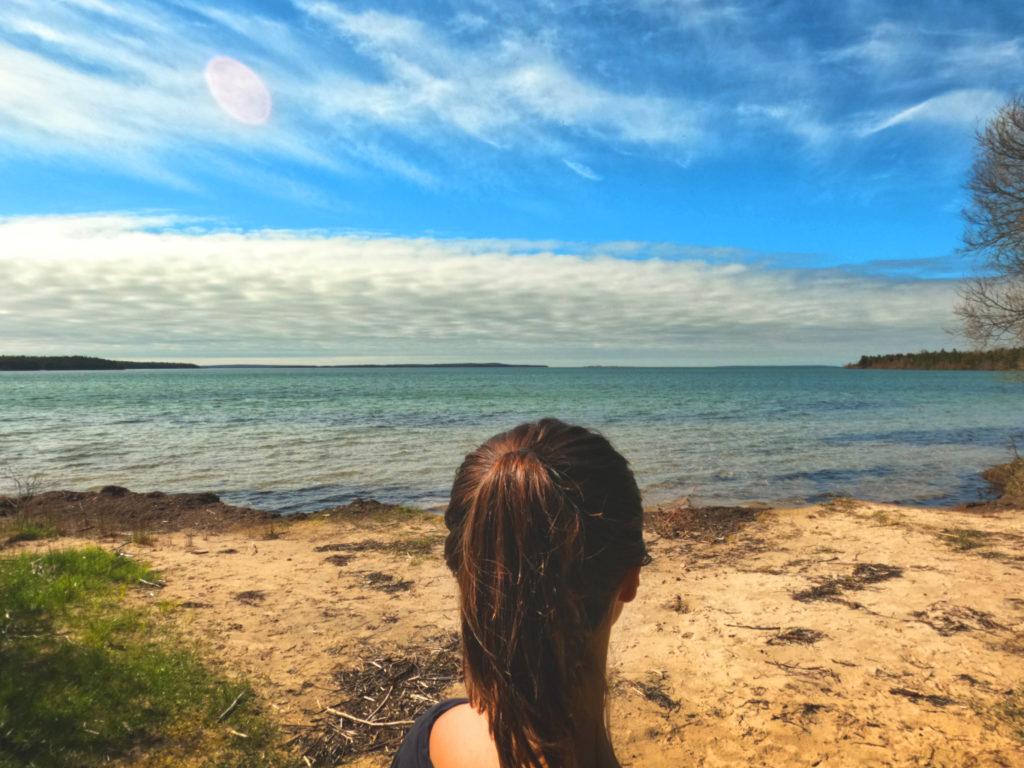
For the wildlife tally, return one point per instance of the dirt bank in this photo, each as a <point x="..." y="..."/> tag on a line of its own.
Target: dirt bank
<point x="114" y="510"/>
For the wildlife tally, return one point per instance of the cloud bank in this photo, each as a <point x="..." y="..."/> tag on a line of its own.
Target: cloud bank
<point x="159" y="287"/>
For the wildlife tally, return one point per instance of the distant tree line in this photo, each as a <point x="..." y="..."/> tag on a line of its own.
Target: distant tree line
<point x="1007" y="359"/>
<point x="76" y="363"/>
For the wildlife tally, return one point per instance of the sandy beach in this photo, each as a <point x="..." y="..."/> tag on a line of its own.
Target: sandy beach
<point x="846" y="633"/>
<point x="281" y="282"/>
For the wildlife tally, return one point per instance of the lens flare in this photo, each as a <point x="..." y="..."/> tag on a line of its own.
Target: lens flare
<point x="238" y="90"/>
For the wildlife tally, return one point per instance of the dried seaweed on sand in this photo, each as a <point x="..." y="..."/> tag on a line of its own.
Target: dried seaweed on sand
<point x="251" y="596"/>
<point x="949" y="619"/>
<point x="796" y="636"/>
<point x="863" y="574"/>
<point x="709" y="524"/>
<point x="381" y="697"/>
<point x="385" y="582"/>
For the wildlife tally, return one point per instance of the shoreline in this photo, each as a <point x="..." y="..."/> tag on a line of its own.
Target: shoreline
<point x="847" y="630"/>
<point x="988" y="494"/>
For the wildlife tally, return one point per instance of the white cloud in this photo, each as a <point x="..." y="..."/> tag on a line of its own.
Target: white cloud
<point x="945" y="51"/>
<point x="118" y="285"/>
<point x="582" y="170"/>
<point x="120" y="84"/>
<point x="134" y="100"/>
<point x="424" y="97"/>
<point x="501" y="93"/>
<point x="796" y="119"/>
<point x="966" y="107"/>
<point x="987" y="55"/>
<point x="693" y="14"/>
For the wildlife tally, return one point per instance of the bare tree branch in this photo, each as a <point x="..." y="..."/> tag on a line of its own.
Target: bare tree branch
<point x="991" y="307"/>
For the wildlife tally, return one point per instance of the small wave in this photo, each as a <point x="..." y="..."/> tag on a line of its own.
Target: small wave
<point x="836" y="474"/>
<point x="991" y="437"/>
<point x="317" y="497"/>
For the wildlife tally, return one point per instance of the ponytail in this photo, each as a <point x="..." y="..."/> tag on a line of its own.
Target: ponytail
<point x="543" y="522"/>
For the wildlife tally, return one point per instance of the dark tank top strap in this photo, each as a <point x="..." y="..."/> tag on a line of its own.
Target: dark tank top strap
<point x="415" y="749"/>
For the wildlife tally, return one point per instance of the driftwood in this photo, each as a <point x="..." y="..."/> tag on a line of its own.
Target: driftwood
<point x="354" y="719"/>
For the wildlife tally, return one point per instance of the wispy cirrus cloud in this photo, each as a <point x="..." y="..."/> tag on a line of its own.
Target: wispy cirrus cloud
<point x="430" y="95"/>
<point x="942" y="50"/>
<point x="969" y="107"/>
<point x="143" y="286"/>
<point x="121" y="84"/>
<point x="580" y="169"/>
<point x="505" y="91"/>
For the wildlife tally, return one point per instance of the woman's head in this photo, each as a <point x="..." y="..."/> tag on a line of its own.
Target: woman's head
<point x="545" y="536"/>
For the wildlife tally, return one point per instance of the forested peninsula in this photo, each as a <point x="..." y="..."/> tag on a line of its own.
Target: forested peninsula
<point x="76" y="363"/>
<point x="1008" y="359"/>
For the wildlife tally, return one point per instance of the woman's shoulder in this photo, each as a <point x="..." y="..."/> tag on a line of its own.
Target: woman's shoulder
<point x="461" y="738"/>
<point x="415" y="749"/>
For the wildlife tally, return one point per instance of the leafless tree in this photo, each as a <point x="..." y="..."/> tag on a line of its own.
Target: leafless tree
<point x="991" y="305"/>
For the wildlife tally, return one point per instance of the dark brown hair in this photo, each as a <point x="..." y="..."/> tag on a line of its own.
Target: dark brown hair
<point x="544" y="521"/>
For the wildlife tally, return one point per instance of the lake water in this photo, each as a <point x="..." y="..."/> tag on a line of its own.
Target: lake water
<point x="303" y="439"/>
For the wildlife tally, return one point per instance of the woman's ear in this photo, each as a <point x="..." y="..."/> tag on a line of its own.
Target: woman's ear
<point x="630" y="583"/>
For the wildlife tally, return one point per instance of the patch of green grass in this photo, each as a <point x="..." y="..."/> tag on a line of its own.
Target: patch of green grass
<point x="167" y="606"/>
<point x="86" y="680"/>
<point x="30" y="530"/>
<point x="964" y="539"/>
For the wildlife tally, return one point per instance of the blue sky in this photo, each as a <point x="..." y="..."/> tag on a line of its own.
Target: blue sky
<point x="803" y="145"/>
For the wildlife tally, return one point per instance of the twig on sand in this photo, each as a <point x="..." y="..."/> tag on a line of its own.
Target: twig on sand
<point x="805" y="671"/>
<point x="231" y="707"/>
<point x="372" y="724"/>
<point x="749" y="626"/>
<point x="382" y="702"/>
<point x="156" y="584"/>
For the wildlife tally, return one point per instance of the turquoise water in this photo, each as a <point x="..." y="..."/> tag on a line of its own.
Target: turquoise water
<point x="301" y="439"/>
